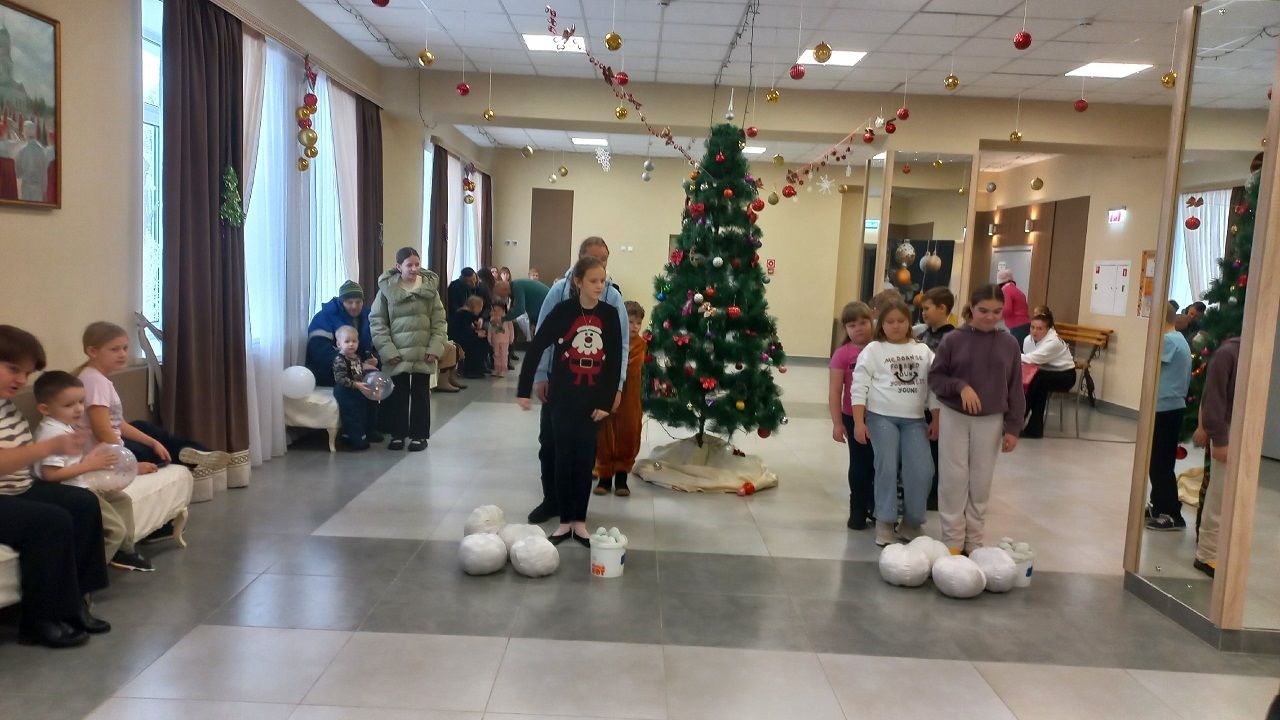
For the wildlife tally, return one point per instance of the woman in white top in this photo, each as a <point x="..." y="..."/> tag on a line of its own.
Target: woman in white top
<point x="1056" y="369"/>
<point x="890" y="393"/>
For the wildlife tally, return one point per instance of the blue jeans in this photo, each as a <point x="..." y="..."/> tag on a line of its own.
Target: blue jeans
<point x="354" y="409"/>
<point x="905" y="442"/>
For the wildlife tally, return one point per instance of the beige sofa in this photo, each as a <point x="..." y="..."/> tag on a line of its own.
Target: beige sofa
<point x="157" y="498"/>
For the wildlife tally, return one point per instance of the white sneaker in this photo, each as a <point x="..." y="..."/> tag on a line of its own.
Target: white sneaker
<point x="884" y="534"/>
<point x="213" y="459"/>
<point x="909" y="532"/>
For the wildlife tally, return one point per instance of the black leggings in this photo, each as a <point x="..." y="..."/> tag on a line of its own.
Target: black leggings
<point x="862" y="473"/>
<point x="407" y="413"/>
<point x="57" y="531"/>
<point x="1045" y="382"/>
<point x="575" y="458"/>
<point x="1164" y="454"/>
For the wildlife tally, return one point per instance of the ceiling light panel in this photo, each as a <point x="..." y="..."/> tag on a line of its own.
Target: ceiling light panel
<point x="1108" y="70"/>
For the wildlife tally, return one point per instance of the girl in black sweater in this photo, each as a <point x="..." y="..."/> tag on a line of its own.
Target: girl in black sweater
<point x="586" y="363"/>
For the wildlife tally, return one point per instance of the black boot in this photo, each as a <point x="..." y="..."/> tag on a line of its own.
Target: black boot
<point x="605" y="486"/>
<point x="87" y="622"/>
<point x="857" y="517"/>
<point x="53" y="634"/>
<point x="620" y="485"/>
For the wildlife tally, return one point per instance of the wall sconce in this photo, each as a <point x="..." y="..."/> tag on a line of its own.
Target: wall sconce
<point x="993" y="229"/>
<point x="1029" y="226"/>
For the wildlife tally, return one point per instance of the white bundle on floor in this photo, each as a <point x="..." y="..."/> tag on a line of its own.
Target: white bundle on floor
<point x="934" y="549"/>
<point x="959" y="577"/>
<point x="513" y="533"/>
<point x="904" y="565"/>
<point x="485" y="519"/>
<point x="997" y="566"/>
<point x="535" y="557"/>
<point x="482" y="553"/>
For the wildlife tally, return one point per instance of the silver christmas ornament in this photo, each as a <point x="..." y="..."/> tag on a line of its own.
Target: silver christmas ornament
<point x="645" y="176"/>
<point x="648" y="165"/>
<point x="697" y="297"/>
<point x="718" y="262"/>
<point x="905" y="254"/>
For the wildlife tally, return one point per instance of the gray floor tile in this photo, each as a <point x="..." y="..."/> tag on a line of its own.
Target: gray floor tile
<point x="472" y="609"/>
<point x="732" y="621"/>
<point x="183" y="595"/>
<point x="315" y="602"/>
<point x="602" y="614"/>
<point x="368" y="558"/>
<point x="697" y="572"/>
<point x="857" y="628"/>
<point x="60" y="706"/>
<point x="97" y="669"/>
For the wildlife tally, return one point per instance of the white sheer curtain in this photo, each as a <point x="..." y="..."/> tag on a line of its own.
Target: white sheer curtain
<point x="470" y="239"/>
<point x="454" y="230"/>
<point x="342" y="115"/>
<point x="328" y="260"/>
<point x="428" y="169"/>
<point x="254" y="52"/>
<point x="1204" y="246"/>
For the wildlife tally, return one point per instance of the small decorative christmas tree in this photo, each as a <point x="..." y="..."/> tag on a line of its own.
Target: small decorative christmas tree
<point x="1225" y="297"/>
<point x="231" y="211"/>
<point x="714" y="346"/>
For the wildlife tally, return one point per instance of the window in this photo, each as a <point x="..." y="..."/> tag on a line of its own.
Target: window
<point x="428" y="167"/>
<point x="152" y="164"/>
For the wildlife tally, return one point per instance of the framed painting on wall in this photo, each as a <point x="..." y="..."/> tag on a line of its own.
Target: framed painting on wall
<point x="30" y="108"/>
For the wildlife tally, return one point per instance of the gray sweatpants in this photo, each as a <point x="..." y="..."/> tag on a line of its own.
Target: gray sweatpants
<point x="967" y="450"/>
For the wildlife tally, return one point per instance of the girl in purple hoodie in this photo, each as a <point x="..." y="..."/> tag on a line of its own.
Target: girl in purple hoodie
<point x="977" y="378"/>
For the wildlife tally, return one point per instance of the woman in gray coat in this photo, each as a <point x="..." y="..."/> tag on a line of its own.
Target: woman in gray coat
<point x="408" y="324"/>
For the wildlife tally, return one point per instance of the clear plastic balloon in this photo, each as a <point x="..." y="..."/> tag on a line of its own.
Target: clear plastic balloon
<point x="380" y="384"/>
<point x="297" y="382"/>
<point x="117" y="477"/>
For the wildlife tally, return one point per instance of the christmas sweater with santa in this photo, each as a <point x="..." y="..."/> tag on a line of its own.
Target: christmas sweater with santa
<point x="586" y="357"/>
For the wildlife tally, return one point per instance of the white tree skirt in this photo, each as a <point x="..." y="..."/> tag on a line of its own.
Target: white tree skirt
<point x="682" y="465"/>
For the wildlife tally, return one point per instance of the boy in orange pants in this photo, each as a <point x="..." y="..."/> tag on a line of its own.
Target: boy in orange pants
<point x="618" y="440"/>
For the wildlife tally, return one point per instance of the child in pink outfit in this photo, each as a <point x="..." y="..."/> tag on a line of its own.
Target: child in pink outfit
<point x="500" y="332"/>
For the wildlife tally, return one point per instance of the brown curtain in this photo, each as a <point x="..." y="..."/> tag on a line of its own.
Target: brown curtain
<point x="204" y="313"/>
<point x="369" y="162"/>
<point x="486" y="222"/>
<point x="439" y="254"/>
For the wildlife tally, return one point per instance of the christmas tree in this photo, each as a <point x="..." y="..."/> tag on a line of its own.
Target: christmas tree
<point x="1225" y="297"/>
<point x="714" y="346"/>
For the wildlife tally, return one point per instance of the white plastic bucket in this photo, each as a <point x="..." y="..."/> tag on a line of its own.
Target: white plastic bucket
<point x="607" y="560"/>
<point x="1025" y="564"/>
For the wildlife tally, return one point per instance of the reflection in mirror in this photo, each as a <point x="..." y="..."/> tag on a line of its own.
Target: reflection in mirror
<point x="874" y="200"/>
<point x="1212" y="232"/>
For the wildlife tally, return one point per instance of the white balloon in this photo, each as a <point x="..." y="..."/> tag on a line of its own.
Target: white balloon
<point x="297" y="382"/>
<point x="482" y="553"/>
<point x="998" y="567"/>
<point x="515" y="532"/>
<point x="934" y="549"/>
<point x="959" y="577"/>
<point x="379" y="383"/>
<point x="485" y="519"/>
<point x="535" y="557"/>
<point x="904" y="565"/>
<point x="123" y="470"/>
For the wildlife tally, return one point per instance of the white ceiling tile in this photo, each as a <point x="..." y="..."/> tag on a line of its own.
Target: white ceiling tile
<point x="1042" y="30"/>
<point x="1118" y="32"/>
<point x="924" y="44"/>
<point x="873" y="21"/>
<point x="898" y="61"/>
<point x="984" y="7"/>
<point x="946" y="24"/>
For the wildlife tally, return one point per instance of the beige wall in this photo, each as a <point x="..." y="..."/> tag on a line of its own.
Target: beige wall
<point x="83" y="262"/>
<point x="803" y="235"/>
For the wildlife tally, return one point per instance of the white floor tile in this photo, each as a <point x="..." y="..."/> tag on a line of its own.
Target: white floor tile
<point x="713" y="683"/>
<point x="875" y="687"/>
<point x="153" y="709"/>
<point x="329" y="712"/>
<point x="1196" y="696"/>
<point x="554" y="677"/>
<point x="1057" y="692"/>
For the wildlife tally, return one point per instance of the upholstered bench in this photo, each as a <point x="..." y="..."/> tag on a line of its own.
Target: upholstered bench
<point x="317" y="411"/>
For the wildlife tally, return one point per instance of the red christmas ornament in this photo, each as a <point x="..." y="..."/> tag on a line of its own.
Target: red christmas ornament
<point x="735" y="263"/>
<point x="755" y="260"/>
<point x="751" y="215"/>
<point x="648" y="336"/>
<point x="782" y="369"/>
<point x="752" y="131"/>
<point x="749" y="488"/>
<point x="305" y="123"/>
<point x="688" y="370"/>
<point x="1181" y="454"/>
<point x="903" y="113"/>
<point x="1082" y="105"/>
<point x="677" y="257"/>
<point x="733" y="311"/>
<point x="890" y="127"/>
<point x="757" y="204"/>
<point x="310" y="100"/>
<point x="1242" y="208"/>
<point x="381" y="3"/>
<point x="728" y="192"/>
<point x="719" y="157"/>
<point x="1244" y="280"/>
<point x="463" y="89"/>
<point x="762" y="433"/>
<point x="710" y="292"/>
<point x="621" y="78"/>
<point x="1192" y="223"/>
<point x="797" y="71"/>
<point x="788" y="191"/>
<point x="1022" y="40"/>
<point x="906" y="169"/>
<point x="868" y="136"/>
<point x="666" y="324"/>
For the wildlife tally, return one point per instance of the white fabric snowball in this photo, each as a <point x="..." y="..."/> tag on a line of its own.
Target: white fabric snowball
<point x="934" y="549"/>
<point x="959" y="577"/>
<point x="485" y="519"/>
<point x="904" y="565"/>
<point x="997" y="566"/>
<point x="515" y="532"/>
<point x="535" y="557"/>
<point x="482" y="553"/>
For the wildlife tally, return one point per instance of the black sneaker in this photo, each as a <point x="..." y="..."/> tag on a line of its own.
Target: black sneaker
<point x="164" y="533"/>
<point x="417" y="445"/>
<point x="1204" y="567"/>
<point x="131" y="561"/>
<point x="396" y="444"/>
<point x="1164" y="522"/>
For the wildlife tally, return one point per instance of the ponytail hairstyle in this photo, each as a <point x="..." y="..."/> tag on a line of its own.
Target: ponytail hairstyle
<point x="1045" y="315"/>
<point x="985" y="292"/>
<point x="405" y="253"/>
<point x="580" y="268"/>
<point x="97" y="335"/>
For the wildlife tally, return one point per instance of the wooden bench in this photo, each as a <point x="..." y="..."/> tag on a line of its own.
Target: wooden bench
<point x="1088" y="342"/>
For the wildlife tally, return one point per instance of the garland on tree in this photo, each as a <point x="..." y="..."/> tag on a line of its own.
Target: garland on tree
<point x="231" y="211"/>
<point x="714" y="346"/>
<point x="1225" y="317"/>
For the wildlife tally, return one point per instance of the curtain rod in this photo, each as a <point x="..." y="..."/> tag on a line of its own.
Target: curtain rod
<point x="251" y="19"/>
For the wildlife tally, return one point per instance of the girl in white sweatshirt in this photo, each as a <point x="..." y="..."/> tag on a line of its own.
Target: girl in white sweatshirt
<point x="890" y="394"/>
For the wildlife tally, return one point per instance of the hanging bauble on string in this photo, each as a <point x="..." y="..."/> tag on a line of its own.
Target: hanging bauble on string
<point x="869" y="136"/>
<point x="303" y="164"/>
<point x="1022" y="40"/>
<point x="648" y="165"/>
<point x="773" y="198"/>
<point x="646" y="176"/>
<point x="1169" y="79"/>
<point x="757" y="204"/>
<point x="613" y="41"/>
<point x="991" y="187"/>
<point x="903" y="276"/>
<point x="620" y="112"/>
<point x="1192" y="223"/>
<point x="305" y="123"/>
<point x="905" y="254"/>
<point x="468" y="199"/>
<point x="951" y="82"/>
<point x="425" y="57"/>
<point x="779" y="160"/>
<point x="621" y="78"/>
<point x="563" y="171"/>
<point x="788" y="191"/>
<point x="906" y="169"/>
<point x="752" y="131"/>
<point x="891" y="127"/>
<point x="527" y="151"/>
<point x="311" y="101"/>
<point x="463" y="89"/>
<point x="1081" y="105"/>
<point x="1015" y="136"/>
<point x="552" y="178"/>
<point x="303" y="112"/>
<point x="311" y="151"/>
<point x="307" y="137"/>
<point x="773" y="95"/>
<point x="796" y="72"/>
<point x="937" y="162"/>
<point x="903" y="113"/>
<point x="489" y="114"/>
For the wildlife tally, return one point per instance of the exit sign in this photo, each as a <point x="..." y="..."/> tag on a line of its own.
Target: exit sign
<point x="1116" y="215"/>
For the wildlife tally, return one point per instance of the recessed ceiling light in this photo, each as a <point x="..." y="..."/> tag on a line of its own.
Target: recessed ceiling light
<point x="752" y="150"/>
<point x="1108" y="70"/>
<point x="600" y="142"/>
<point x="553" y="43"/>
<point x="879" y="156"/>
<point x="845" y="58"/>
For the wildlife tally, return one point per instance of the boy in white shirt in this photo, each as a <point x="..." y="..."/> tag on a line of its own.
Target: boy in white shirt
<point x="60" y="399"/>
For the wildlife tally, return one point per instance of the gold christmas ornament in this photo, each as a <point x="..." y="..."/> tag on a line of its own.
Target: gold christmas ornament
<point x="962" y="191"/>
<point x="468" y="199"/>
<point x="527" y="151"/>
<point x="937" y="163"/>
<point x="426" y="57"/>
<point x="1037" y="184"/>
<point x="779" y="160"/>
<point x="1169" y="79"/>
<point x="1015" y="136"/>
<point x="951" y="82"/>
<point x="564" y="171"/>
<point x="303" y="112"/>
<point x="773" y="198"/>
<point x="307" y="137"/>
<point x="613" y="41"/>
<point x="489" y="114"/>
<point x="822" y="52"/>
<point x="311" y="151"/>
<point x="740" y="405"/>
<point x="621" y="112"/>
<point x="773" y="95"/>
<point x="303" y="164"/>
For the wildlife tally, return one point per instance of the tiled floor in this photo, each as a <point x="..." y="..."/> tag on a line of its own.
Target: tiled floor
<point x="329" y="590"/>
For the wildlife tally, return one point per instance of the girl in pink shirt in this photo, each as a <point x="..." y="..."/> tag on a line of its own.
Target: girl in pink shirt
<point x="856" y="318"/>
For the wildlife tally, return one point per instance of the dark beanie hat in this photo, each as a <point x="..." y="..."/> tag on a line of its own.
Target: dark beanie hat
<point x="467" y="272"/>
<point x="350" y="289"/>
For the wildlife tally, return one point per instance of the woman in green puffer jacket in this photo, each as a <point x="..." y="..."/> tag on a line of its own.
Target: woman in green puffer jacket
<point x="408" y="324"/>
